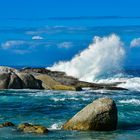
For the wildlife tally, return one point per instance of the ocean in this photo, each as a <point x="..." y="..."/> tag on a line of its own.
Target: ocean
<point x="54" y="108"/>
<point x="94" y="50"/>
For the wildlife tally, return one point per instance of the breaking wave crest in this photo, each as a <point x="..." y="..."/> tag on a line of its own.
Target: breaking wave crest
<point x="101" y="62"/>
<point x="102" y="57"/>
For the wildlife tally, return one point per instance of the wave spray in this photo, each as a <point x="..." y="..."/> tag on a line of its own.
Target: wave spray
<point x="102" y="57"/>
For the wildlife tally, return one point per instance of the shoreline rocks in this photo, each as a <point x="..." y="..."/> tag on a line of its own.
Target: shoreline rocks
<point x="100" y="115"/>
<point x="6" y="124"/>
<point x="29" y="128"/>
<point x="41" y="78"/>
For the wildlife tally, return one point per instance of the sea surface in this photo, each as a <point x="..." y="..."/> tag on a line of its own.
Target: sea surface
<point x="53" y="108"/>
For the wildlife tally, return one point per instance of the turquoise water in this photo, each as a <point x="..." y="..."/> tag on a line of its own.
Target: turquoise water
<point x="53" y="108"/>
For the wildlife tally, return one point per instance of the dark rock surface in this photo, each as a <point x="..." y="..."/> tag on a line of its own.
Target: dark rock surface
<point x="15" y="82"/>
<point x="4" y="80"/>
<point x="29" y="81"/>
<point x="41" y="78"/>
<point x="63" y="79"/>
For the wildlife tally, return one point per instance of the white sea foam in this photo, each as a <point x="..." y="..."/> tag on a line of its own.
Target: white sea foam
<point x="58" y="99"/>
<point x="102" y="57"/>
<point x="131" y="83"/>
<point x="126" y="82"/>
<point x="55" y="126"/>
<point x="130" y="101"/>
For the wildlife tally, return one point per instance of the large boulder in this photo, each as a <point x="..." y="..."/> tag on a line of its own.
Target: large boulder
<point x="100" y="115"/>
<point x="4" y="80"/>
<point x="29" y="81"/>
<point x="15" y="82"/>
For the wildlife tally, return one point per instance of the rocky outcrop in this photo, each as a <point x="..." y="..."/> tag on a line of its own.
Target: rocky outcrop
<point x="13" y="79"/>
<point x="41" y="78"/>
<point x="29" y="128"/>
<point x="29" y="81"/>
<point x="100" y="115"/>
<point x="4" y="80"/>
<point x="55" y="80"/>
<point x="49" y="83"/>
<point x="15" y="82"/>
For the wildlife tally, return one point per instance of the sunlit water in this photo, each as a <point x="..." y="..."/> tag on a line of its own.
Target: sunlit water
<point x="53" y="108"/>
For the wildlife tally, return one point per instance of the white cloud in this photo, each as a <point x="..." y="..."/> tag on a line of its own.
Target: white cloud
<point x="65" y="45"/>
<point x="17" y="46"/>
<point x="135" y="42"/>
<point x="12" y="43"/>
<point x="37" y="38"/>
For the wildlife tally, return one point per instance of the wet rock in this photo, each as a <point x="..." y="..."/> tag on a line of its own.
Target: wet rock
<point x="4" y="80"/>
<point x="47" y="81"/>
<point x="29" y="128"/>
<point x="15" y="82"/>
<point x="29" y="81"/>
<point x="6" y="124"/>
<point x="64" y="87"/>
<point x="100" y="115"/>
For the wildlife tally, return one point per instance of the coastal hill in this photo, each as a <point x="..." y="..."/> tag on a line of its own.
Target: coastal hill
<point x="41" y="78"/>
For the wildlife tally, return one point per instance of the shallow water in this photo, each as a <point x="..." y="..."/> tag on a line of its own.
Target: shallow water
<point x="53" y="108"/>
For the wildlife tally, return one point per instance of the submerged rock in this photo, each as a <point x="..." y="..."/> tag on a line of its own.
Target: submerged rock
<point x="6" y="124"/>
<point x="100" y="115"/>
<point x="29" y="128"/>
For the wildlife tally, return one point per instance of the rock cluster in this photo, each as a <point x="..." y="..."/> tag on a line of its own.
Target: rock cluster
<point x="41" y="78"/>
<point x="26" y="127"/>
<point x="13" y="79"/>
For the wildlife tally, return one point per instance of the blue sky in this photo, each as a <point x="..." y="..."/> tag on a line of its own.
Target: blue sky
<point x="48" y="8"/>
<point x="42" y="32"/>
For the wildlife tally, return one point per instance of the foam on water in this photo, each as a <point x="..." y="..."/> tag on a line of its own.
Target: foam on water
<point x="130" y="101"/>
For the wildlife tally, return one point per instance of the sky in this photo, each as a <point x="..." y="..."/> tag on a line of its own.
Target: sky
<point x="54" y="8"/>
<point x="43" y="32"/>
